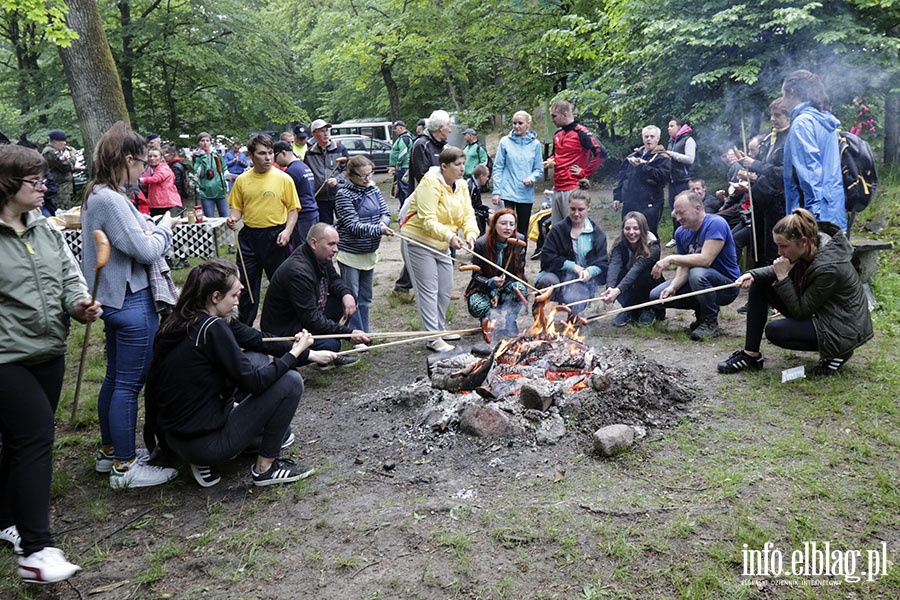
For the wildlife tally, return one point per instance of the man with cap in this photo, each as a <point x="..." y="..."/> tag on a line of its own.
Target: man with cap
<point x="476" y="154"/>
<point x="301" y="134"/>
<point x="154" y="142"/>
<point x="326" y="159"/>
<point x="305" y="183"/>
<point x="265" y="199"/>
<point x="60" y="158"/>
<point x="399" y="161"/>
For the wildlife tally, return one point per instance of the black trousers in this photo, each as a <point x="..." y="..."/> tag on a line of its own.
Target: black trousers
<point x="523" y="214"/>
<point x="29" y="395"/>
<point x="793" y="334"/>
<point x="259" y="252"/>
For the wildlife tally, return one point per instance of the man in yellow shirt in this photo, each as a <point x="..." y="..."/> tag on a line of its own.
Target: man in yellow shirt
<point x="266" y="200"/>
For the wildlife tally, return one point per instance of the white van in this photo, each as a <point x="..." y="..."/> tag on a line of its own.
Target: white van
<point x="378" y="129"/>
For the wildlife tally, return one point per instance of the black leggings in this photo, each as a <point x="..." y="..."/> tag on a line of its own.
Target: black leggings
<point x="270" y="412"/>
<point x="28" y="398"/>
<point x="523" y="214"/>
<point x="793" y="334"/>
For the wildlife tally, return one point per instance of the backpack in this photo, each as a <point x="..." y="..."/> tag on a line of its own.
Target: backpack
<point x="858" y="171"/>
<point x="191" y="191"/>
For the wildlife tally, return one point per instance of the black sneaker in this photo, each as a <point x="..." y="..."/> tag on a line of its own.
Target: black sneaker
<point x="743" y="309"/>
<point x="346" y="360"/>
<point x="283" y="470"/>
<point x="205" y="475"/>
<point x="705" y="330"/>
<point x="830" y="366"/>
<point x="740" y="361"/>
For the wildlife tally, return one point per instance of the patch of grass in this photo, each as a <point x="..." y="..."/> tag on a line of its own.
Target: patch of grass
<point x="158" y="556"/>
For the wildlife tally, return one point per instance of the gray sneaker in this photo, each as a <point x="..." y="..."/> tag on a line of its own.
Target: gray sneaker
<point x="705" y="330"/>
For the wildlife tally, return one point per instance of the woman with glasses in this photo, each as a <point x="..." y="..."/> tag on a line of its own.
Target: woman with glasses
<point x="40" y="286"/>
<point x="362" y="219"/>
<point x="137" y="248"/>
<point x="517" y="168"/>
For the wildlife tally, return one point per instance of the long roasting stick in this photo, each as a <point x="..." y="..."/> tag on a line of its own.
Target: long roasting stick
<point x="522" y="281"/>
<point x="652" y="302"/>
<point x="102" y="258"/>
<point x="433" y="334"/>
<point x="749" y="193"/>
<point x="373" y="335"/>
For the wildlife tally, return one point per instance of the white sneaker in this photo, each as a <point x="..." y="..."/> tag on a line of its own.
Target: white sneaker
<point x="136" y="474"/>
<point x="670" y="243"/>
<point x="439" y="345"/>
<point x="46" y="566"/>
<point x="11" y="536"/>
<point x="104" y="462"/>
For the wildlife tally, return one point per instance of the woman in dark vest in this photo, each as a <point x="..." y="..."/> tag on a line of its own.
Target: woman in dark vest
<point x="682" y="152"/>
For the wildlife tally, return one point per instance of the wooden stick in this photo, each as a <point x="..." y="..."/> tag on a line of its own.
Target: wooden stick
<point x="427" y="247"/>
<point x="522" y="281"/>
<point x="374" y="335"/>
<point x="654" y="302"/>
<point x="102" y="258"/>
<point x="240" y="254"/>
<point x="337" y="163"/>
<point x="749" y="194"/>
<point x="432" y="334"/>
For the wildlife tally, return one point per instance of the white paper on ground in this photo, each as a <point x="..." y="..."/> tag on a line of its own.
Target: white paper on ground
<point x="793" y="373"/>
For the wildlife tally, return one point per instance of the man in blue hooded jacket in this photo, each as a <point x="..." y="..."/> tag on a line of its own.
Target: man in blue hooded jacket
<point x="812" y="156"/>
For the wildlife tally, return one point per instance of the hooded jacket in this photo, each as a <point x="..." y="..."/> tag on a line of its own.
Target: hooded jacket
<point x="194" y="373"/>
<point x="210" y="172"/>
<point x="361" y="211"/>
<point x="39" y="285"/>
<point x="831" y="294"/>
<point x="161" y="189"/>
<point x="518" y="157"/>
<point x="438" y="211"/>
<point x="812" y="165"/>
<point x="294" y="294"/>
<point x="323" y="163"/>
<point x="682" y="152"/>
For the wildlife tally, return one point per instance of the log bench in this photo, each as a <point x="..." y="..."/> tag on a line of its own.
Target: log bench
<point x="865" y="256"/>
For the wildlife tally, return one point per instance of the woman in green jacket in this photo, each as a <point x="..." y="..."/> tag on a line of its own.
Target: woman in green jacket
<point x="814" y="285"/>
<point x="40" y="286"/>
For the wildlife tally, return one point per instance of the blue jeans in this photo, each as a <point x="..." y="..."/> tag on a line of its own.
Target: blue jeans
<point x="706" y="306"/>
<point x="210" y="205"/>
<point x="129" y="347"/>
<point x="360" y="284"/>
<point x="402" y="188"/>
<point x="575" y="292"/>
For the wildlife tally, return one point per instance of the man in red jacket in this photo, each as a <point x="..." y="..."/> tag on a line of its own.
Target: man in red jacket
<point x="577" y="154"/>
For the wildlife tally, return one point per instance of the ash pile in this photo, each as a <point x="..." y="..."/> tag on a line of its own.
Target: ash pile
<point x="545" y="385"/>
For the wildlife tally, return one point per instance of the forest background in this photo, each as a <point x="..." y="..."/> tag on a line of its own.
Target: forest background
<point x="177" y="67"/>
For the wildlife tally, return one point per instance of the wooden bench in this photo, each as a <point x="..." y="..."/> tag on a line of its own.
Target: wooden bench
<point x="865" y="256"/>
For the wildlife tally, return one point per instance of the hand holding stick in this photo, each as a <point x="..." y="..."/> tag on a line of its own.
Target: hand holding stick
<point x="653" y="302"/>
<point x="102" y="258"/>
<point x="337" y="163"/>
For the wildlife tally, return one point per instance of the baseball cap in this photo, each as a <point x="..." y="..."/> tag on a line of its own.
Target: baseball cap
<point x="281" y="146"/>
<point x="469" y="131"/>
<point x="300" y="131"/>
<point x="421" y="122"/>
<point x="57" y="135"/>
<point x="319" y="124"/>
<point x="399" y="123"/>
<point x="152" y="137"/>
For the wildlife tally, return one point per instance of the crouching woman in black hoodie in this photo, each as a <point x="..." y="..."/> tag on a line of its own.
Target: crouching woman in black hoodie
<point x="203" y="356"/>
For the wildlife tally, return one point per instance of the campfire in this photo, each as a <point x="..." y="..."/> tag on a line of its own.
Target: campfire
<point x="540" y="380"/>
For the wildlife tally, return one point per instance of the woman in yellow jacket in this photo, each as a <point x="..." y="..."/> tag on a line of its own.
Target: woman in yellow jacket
<point x="440" y="216"/>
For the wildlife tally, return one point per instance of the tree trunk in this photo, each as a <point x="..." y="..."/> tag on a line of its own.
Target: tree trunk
<point x="393" y="92"/>
<point x="891" y="128"/>
<point x="126" y="61"/>
<point x="92" y="76"/>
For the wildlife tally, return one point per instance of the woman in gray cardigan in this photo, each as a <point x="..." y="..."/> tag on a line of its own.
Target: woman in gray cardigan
<point x="124" y="290"/>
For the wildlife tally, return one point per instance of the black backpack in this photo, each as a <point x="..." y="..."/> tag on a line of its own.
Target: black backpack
<point x="858" y="172"/>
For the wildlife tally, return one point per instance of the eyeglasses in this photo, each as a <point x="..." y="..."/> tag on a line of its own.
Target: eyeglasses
<point x="35" y="183"/>
<point x="146" y="164"/>
<point x="363" y="176"/>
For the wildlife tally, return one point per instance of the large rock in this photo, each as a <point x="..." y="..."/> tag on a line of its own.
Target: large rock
<point x="551" y="429"/>
<point x="484" y="421"/>
<point x="612" y="439"/>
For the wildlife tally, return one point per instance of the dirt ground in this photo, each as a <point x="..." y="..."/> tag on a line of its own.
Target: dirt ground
<point x="394" y="511"/>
